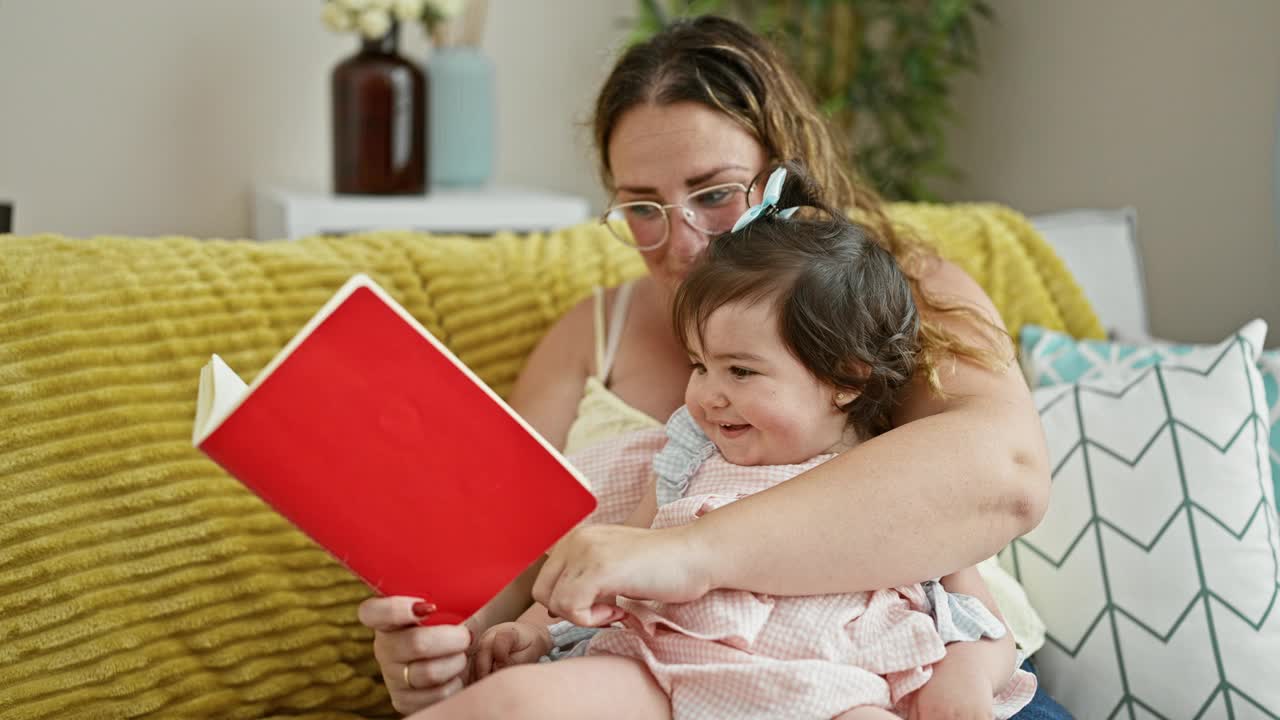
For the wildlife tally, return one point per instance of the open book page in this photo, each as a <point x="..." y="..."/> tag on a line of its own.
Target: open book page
<point x="221" y="390"/>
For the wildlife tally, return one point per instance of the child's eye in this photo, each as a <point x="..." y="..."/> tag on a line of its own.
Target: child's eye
<point x="741" y="372"/>
<point x="698" y="367"/>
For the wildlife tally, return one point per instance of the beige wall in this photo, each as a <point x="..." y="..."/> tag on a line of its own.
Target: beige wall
<point x="1166" y="105"/>
<point x="157" y="116"/>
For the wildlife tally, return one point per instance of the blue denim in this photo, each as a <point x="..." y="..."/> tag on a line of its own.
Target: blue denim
<point x="1041" y="707"/>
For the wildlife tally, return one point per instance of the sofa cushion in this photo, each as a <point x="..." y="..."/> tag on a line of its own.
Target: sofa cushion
<point x="1155" y="568"/>
<point x="1050" y="357"/>
<point x="136" y="576"/>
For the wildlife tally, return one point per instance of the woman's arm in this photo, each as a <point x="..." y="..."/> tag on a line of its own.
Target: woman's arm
<point x="550" y="385"/>
<point x="955" y="481"/>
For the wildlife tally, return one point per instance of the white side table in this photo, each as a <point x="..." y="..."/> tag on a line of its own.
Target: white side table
<point x="279" y="213"/>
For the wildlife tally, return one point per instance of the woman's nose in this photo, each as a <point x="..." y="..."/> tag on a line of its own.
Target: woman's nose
<point x="687" y="242"/>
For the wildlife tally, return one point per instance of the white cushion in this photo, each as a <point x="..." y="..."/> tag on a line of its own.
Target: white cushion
<point x="1157" y="567"/>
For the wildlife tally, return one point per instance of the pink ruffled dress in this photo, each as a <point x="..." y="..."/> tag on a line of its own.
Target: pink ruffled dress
<point x="740" y="654"/>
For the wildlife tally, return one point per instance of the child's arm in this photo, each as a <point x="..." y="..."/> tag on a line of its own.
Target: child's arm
<point x="997" y="657"/>
<point x="972" y="673"/>
<point x="647" y="509"/>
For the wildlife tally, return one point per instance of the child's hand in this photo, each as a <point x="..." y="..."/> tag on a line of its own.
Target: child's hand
<point x="958" y="690"/>
<point x="510" y="643"/>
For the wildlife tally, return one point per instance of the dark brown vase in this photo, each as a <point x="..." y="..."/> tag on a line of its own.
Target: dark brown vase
<point x="379" y="122"/>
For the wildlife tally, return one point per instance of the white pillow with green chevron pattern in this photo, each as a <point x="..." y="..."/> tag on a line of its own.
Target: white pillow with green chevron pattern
<point x="1050" y="357"/>
<point x="1157" y="567"/>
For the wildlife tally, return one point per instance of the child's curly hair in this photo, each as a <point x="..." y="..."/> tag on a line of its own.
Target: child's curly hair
<point x="844" y="307"/>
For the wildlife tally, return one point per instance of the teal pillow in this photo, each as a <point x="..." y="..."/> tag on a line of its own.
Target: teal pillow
<point x="1053" y="358"/>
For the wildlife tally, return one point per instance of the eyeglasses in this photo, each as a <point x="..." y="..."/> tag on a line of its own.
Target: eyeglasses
<point x="645" y="225"/>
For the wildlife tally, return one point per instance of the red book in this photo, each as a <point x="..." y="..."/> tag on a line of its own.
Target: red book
<point x="373" y="439"/>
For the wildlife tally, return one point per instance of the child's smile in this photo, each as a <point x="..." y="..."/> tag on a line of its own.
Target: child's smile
<point x="753" y="398"/>
<point x="727" y="433"/>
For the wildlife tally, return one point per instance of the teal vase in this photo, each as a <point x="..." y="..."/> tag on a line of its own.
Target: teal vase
<point x="460" y="131"/>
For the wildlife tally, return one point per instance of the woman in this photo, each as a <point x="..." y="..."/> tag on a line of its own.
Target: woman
<point x="686" y="122"/>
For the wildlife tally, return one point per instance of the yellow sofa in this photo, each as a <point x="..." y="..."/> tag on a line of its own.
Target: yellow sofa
<point x="137" y="578"/>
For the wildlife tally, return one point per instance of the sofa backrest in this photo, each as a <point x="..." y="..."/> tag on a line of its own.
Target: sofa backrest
<point x="1100" y="248"/>
<point x="136" y="576"/>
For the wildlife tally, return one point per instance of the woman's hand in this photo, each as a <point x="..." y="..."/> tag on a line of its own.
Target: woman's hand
<point x="507" y="644"/>
<point x="586" y="571"/>
<point x="420" y="665"/>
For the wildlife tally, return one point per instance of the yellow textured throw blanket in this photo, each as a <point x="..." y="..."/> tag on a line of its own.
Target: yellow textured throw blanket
<point x="135" y="576"/>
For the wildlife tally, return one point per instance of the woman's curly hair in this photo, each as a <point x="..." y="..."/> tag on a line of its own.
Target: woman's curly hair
<point x="844" y="308"/>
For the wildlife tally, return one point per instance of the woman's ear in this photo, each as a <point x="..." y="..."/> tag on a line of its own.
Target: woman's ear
<point x="842" y="398"/>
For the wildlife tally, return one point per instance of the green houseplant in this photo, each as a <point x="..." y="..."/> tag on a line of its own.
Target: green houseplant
<point x="882" y="70"/>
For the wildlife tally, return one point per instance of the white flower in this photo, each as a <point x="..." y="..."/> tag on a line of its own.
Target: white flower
<point x="374" y="23"/>
<point x="336" y="17"/>
<point x="381" y="4"/>
<point x="447" y="8"/>
<point x="408" y="10"/>
<point x="355" y="6"/>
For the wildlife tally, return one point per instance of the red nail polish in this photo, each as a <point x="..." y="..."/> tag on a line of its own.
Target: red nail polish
<point x="423" y="609"/>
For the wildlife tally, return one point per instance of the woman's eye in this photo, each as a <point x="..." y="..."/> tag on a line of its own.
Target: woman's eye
<point x="642" y="212"/>
<point x="741" y="372"/>
<point x="713" y="198"/>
